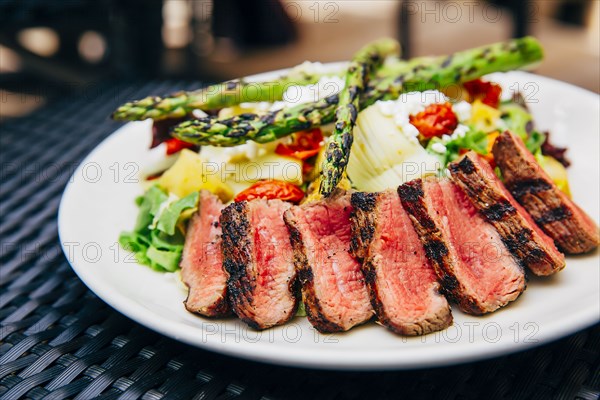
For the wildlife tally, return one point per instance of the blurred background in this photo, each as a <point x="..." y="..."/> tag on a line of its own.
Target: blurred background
<point x="51" y="48"/>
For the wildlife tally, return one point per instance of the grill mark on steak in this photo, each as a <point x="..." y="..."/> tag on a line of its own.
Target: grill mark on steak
<point x="558" y="216"/>
<point x="362" y="234"/>
<point x="522" y="188"/>
<point x="436" y="250"/>
<point x="332" y="284"/>
<point x="236" y="247"/>
<point x="411" y="195"/>
<point x="517" y="230"/>
<point x="498" y="211"/>
<point x="553" y="215"/>
<point x="477" y="281"/>
<point x="465" y="165"/>
<point x="201" y="261"/>
<point x="402" y="284"/>
<point x="257" y="257"/>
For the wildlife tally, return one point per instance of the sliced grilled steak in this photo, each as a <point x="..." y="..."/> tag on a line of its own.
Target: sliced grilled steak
<point x="571" y="228"/>
<point x="202" y="262"/>
<point x="333" y="286"/>
<point x="403" y="286"/>
<point x="257" y="256"/>
<point x="516" y="228"/>
<point x="475" y="268"/>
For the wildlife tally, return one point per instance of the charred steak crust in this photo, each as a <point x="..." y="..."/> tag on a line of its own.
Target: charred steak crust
<point x="237" y="247"/>
<point x="412" y="198"/>
<point x="573" y="231"/>
<point x="362" y="233"/>
<point x="314" y="311"/>
<point x="485" y="191"/>
<point x="363" y="227"/>
<point x="219" y="309"/>
<point x="364" y="224"/>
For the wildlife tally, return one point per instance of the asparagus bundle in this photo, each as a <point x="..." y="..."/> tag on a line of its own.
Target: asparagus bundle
<point x="418" y="74"/>
<point x="337" y="153"/>
<point x="227" y="94"/>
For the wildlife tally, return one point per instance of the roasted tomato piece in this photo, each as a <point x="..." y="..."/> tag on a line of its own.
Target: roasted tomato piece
<point x="488" y="92"/>
<point x="175" y="145"/>
<point x="436" y="120"/>
<point x="272" y="189"/>
<point x="306" y="144"/>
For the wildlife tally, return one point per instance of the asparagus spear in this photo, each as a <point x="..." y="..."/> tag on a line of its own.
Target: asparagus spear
<point x="262" y="128"/>
<point x="226" y="94"/>
<point x="419" y="74"/>
<point x="337" y="153"/>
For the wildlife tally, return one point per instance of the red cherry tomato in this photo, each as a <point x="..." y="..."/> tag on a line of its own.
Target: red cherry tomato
<point x="435" y="120"/>
<point x="488" y="92"/>
<point x="272" y="189"/>
<point x="306" y="144"/>
<point x="175" y="145"/>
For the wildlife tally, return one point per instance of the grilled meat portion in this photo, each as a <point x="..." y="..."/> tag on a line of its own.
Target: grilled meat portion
<point x="257" y="257"/>
<point x="476" y="269"/>
<point x="202" y="262"/>
<point x="516" y="228"/>
<point x="403" y="286"/>
<point x="571" y="228"/>
<point x="333" y="286"/>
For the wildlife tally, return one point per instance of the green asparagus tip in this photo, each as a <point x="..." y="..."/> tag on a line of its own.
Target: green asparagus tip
<point x="533" y="48"/>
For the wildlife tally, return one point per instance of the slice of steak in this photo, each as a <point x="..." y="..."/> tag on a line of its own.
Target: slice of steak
<point x="333" y="286"/>
<point x="474" y="265"/>
<point x="403" y="286"/>
<point x="202" y="262"/>
<point x="571" y="228"/>
<point x="520" y="234"/>
<point x="257" y="257"/>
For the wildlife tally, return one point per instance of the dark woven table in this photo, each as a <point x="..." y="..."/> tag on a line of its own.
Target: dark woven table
<point x="58" y="340"/>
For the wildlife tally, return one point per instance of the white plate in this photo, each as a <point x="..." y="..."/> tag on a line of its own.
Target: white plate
<point x="98" y="203"/>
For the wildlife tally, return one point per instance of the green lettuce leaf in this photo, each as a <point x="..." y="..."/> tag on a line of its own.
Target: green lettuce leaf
<point x="169" y="217"/>
<point x="166" y="260"/>
<point x="516" y="118"/>
<point x="149" y="205"/>
<point x="158" y="245"/>
<point x="534" y="141"/>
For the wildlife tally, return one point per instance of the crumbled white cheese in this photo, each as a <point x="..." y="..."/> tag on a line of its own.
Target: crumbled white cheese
<point x="248" y="150"/>
<point x="277" y="105"/>
<point x="401" y="119"/>
<point x="326" y="86"/>
<point x="240" y="153"/>
<point x="460" y="131"/>
<point x="386" y="108"/>
<point x="197" y="113"/>
<point x="462" y="109"/>
<point x="438" y="148"/>
<point x="410" y="131"/>
<point x="260" y="106"/>
<point x="310" y="68"/>
<point x="411" y="103"/>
